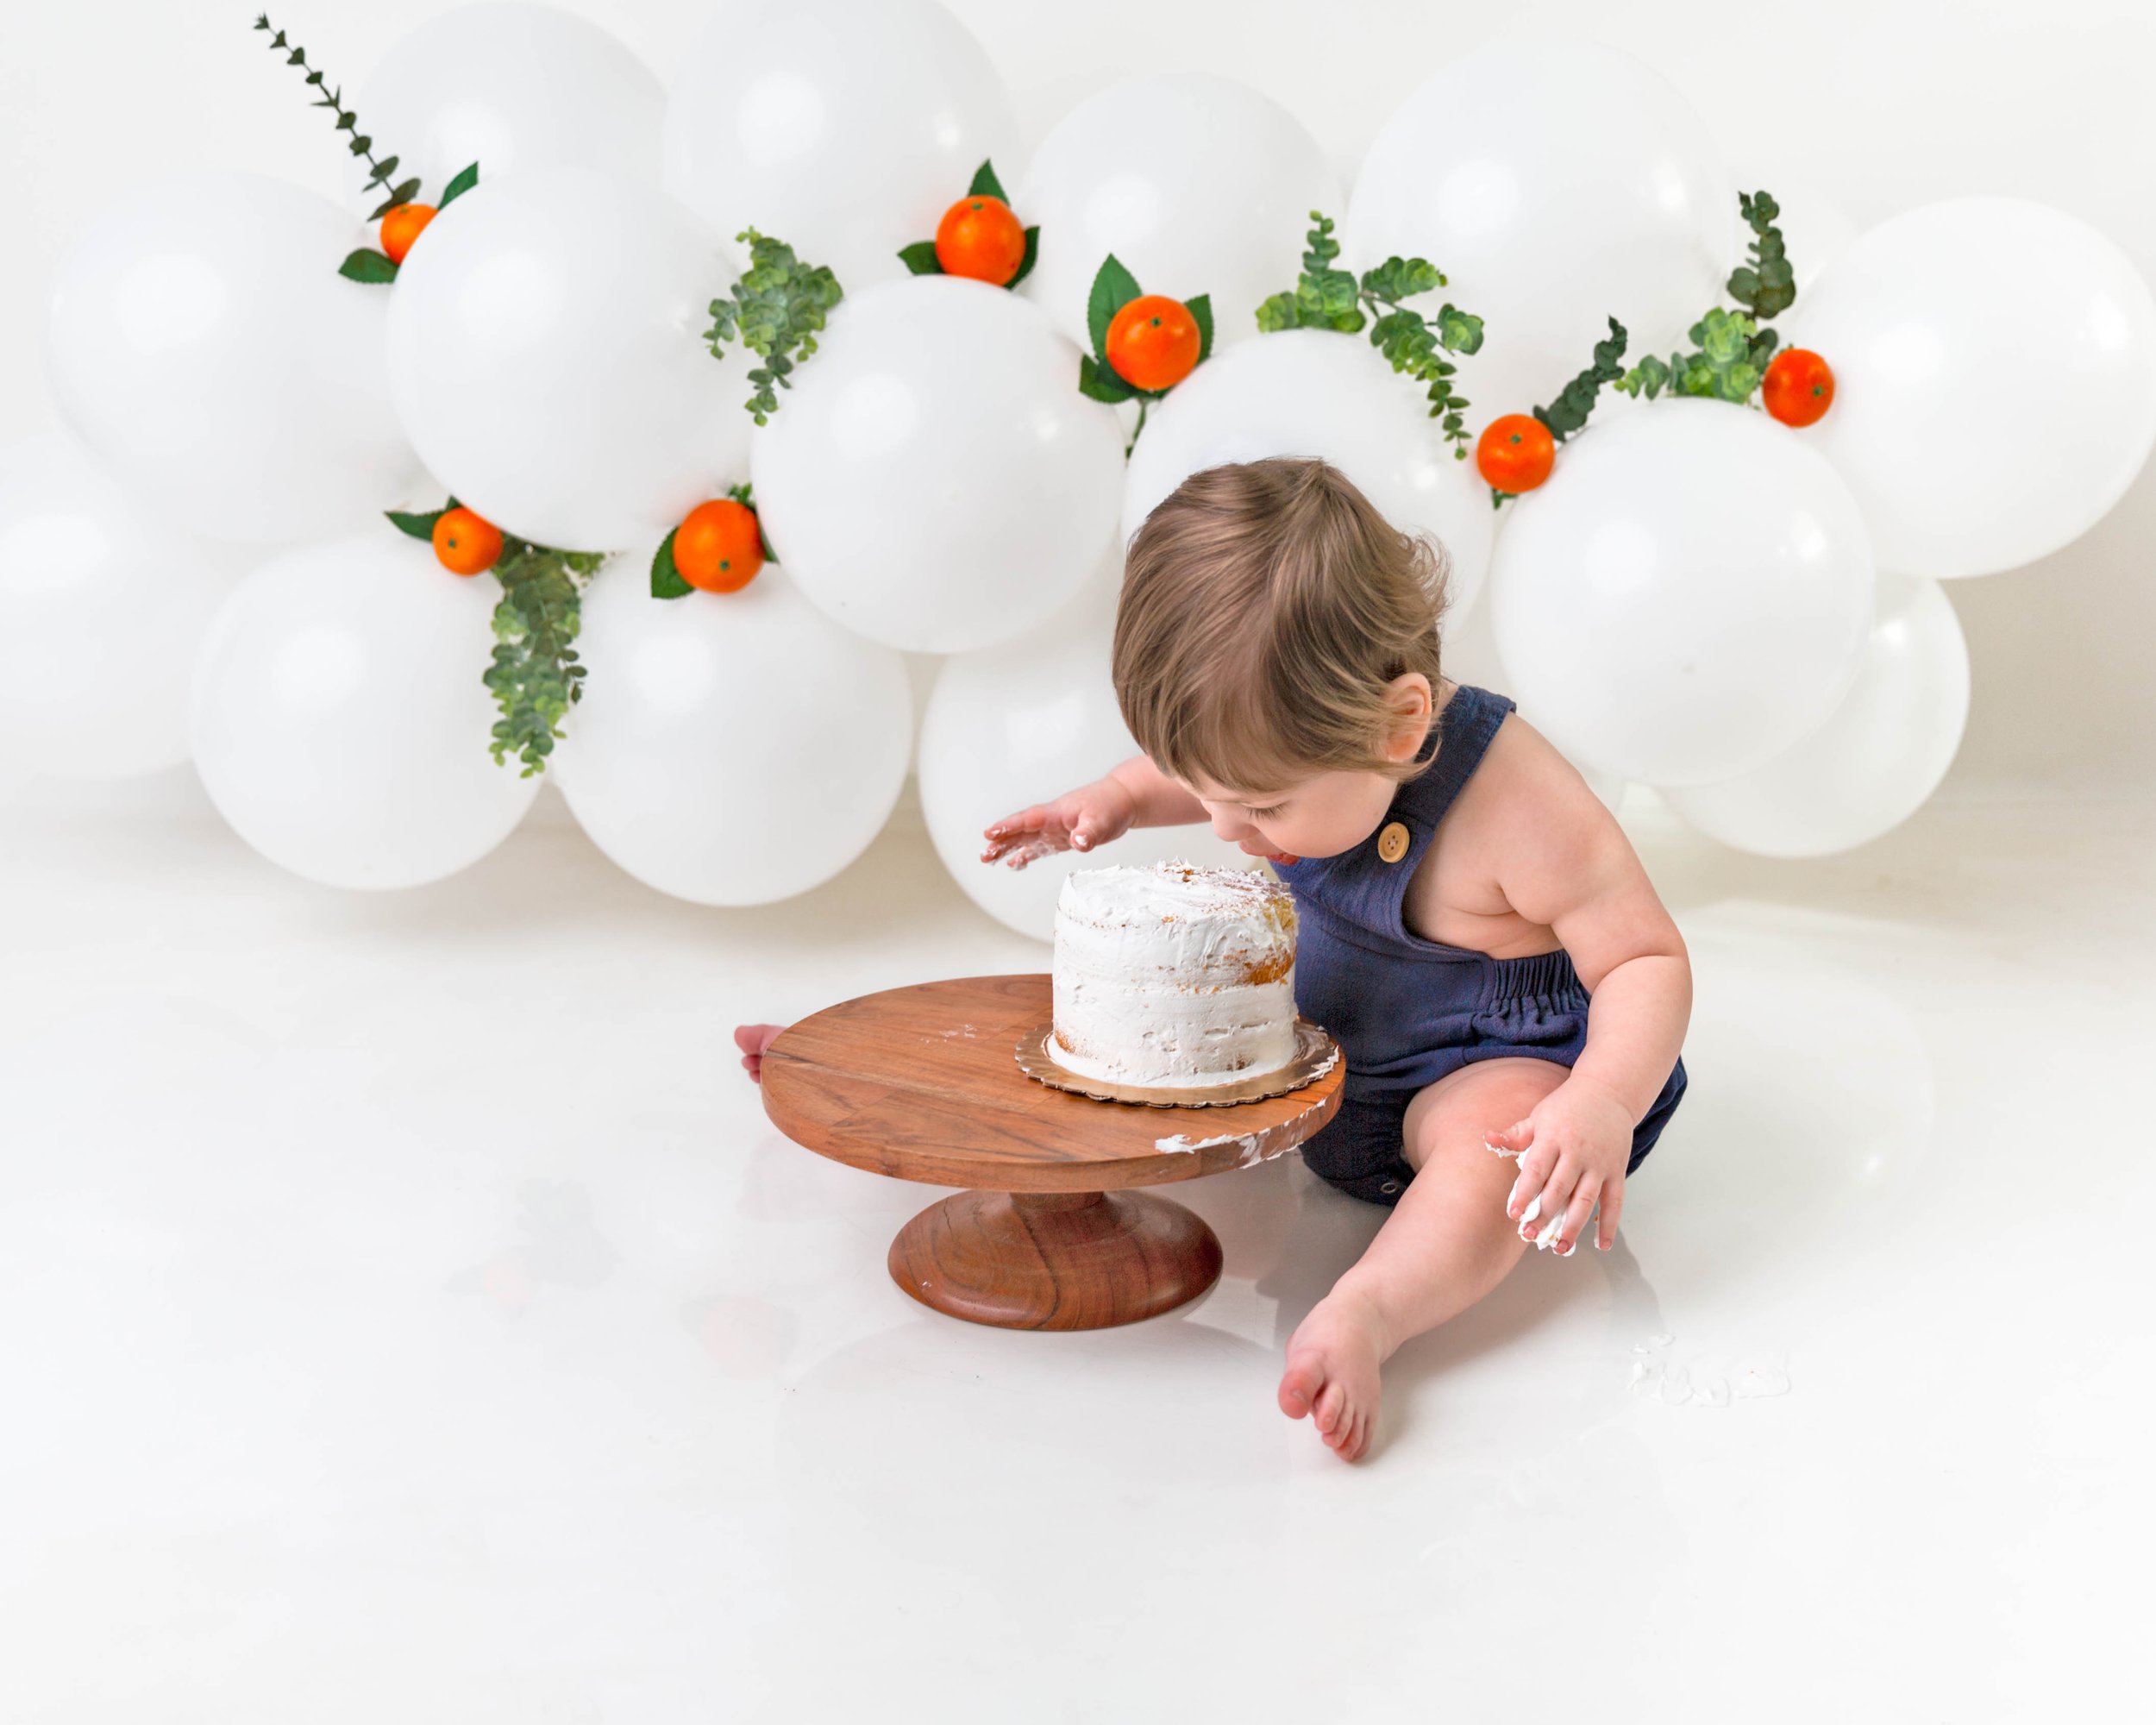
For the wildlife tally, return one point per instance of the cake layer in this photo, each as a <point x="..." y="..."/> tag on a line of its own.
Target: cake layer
<point x="1173" y="976"/>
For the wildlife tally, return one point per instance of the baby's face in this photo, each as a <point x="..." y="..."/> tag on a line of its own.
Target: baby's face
<point x="1320" y="816"/>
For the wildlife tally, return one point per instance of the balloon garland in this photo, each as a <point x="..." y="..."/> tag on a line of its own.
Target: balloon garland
<point x="943" y="454"/>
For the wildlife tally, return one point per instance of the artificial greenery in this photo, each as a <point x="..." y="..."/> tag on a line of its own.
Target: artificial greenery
<point x="1326" y="297"/>
<point x="1767" y="285"/>
<point x="666" y="579"/>
<point x="1113" y="288"/>
<point x="535" y="673"/>
<point x="1568" y="412"/>
<point x="776" y="309"/>
<point x="920" y="256"/>
<point x="365" y="264"/>
<point x="1730" y="349"/>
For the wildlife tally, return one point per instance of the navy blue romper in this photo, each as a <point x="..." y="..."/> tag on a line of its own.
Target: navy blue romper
<point x="1407" y="1011"/>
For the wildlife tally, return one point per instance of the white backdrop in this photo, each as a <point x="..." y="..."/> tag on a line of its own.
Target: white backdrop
<point x="1877" y="104"/>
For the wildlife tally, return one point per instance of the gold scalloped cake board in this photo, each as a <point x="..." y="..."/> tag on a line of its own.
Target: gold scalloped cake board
<point x="1314" y="1054"/>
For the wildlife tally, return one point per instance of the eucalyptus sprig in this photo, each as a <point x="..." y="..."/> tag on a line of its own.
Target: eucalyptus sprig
<point x="1767" y="285"/>
<point x="535" y="672"/>
<point x="1731" y="350"/>
<point x="378" y="172"/>
<point x="1729" y="357"/>
<point x="776" y="309"/>
<point x="535" y="675"/>
<point x="1568" y="412"/>
<point x="1326" y="297"/>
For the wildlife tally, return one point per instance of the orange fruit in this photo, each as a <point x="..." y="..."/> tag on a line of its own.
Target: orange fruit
<point x="717" y="546"/>
<point x="980" y="237"/>
<point x="1799" y="386"/>
<point x="465" y="543"/>
<point x="401" y="225"/>
<point x="1153" y="342"/>
<point x="1515" y="453"/>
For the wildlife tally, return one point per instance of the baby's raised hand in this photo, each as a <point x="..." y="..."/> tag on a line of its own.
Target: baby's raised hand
<point x="1078" y="820"/>
<point x="1572" y="1150"/>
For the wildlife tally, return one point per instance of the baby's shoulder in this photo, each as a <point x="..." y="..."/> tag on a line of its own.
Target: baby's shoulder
<point x="1523" y="785"/>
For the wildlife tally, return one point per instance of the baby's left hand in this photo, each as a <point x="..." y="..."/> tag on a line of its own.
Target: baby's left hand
<point x="1572" y="1151"/>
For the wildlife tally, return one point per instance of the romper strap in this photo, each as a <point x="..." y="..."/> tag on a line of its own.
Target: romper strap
<point x="1466" y="727"/>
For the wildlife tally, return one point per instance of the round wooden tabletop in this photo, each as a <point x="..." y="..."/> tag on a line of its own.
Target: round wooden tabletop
<point x="923" y="1083"/>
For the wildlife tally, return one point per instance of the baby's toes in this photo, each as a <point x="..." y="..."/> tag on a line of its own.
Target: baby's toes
<point x="1331" y="1409"/>
<point x="1299" y="1385"/>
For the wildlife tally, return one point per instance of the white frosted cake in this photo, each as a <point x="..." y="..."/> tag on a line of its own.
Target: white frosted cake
<point x="1174" y="975"/>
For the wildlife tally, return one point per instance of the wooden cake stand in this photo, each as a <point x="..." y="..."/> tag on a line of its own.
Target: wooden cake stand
<point x="923" y="1083"/>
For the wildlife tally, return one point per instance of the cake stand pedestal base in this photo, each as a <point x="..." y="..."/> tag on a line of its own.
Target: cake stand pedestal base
<point x="1056" y="1260"/>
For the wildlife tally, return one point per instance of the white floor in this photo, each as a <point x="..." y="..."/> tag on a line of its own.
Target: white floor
<point x="407" y="1315"/>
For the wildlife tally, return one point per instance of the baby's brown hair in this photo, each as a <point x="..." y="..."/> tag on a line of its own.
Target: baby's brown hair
<point x="1265" y="606"/>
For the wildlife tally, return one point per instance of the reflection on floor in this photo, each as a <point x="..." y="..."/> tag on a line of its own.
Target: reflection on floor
<point x="408" y="1313"/>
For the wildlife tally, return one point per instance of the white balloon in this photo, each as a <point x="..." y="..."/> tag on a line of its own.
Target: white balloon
<point x="934" y="480"/>
<point x="545" y="353"/>
<point x="1197" y="183"/>
<point x="1558" y="184"/>
<point x="339" y="719"/>
<point x="510" y="87"/>
<point x="203" y="345"/>
<point x="1470" y="656"/>
<point x="730" y="748"/>
<point x="1686" y="596"/>
<point x="845" y="127"/>
<point x="1323" y="393"/>
<point x="1995" y="381"/>
<point x="1875" y="761"/>
<point x="1021" y="722"/>
<point x="102" y="606"/>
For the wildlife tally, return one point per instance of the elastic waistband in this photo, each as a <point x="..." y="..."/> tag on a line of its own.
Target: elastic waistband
<point x="1544" y="974"/>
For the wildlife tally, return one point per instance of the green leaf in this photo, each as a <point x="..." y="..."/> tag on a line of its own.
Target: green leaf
<point x="420" y="525"/>
<point x="1766" y="287"/>
<point x="776" y="308"/>
<point x="457" y="187"/>
<point x="1200" y="309"/>
<point x="1460" y="332"/>
<point x="368" y="265"/>
<point x="1100" y="381"/>
<point x="1649" y="378"/>
<point x="920" y="258"/>
<point x="1405" y="341"/>
<point x="1322" y="247"/>
<point x="535" y="675"/>
<point x="1113" y="288"/>
<point x="985" y="180"/>
<point x="744" y="495"/>
<point x="1398" y="279"/>
<point x="1277" y="313"/>
<point x="1568" y="412"/>
<point x="666" y="579"/>
<point x="1032" y="253"/>
<point x="1323" y="297"/>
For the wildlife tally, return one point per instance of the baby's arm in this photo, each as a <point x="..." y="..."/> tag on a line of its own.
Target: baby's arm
<point x="1133" y="794"/>
<point x="1563" y="861"/>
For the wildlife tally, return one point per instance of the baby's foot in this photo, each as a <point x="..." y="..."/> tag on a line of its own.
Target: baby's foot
<point x="1331" y="1375"/>
<point x="753" y="1039"/>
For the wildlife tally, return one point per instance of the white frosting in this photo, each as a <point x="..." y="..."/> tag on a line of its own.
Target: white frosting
<point x="1545" y="1239"/>
<point x="1174" y="975"/>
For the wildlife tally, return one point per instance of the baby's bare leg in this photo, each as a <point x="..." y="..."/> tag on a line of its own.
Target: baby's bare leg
<point x="1447" y="1243"/>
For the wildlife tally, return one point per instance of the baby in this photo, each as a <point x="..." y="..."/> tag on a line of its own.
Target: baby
<point x="1460" y="895"/>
